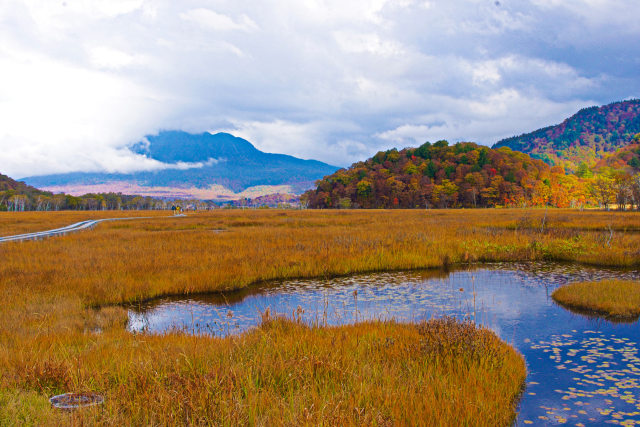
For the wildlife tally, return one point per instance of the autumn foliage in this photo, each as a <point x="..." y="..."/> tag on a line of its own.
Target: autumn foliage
<point x="626" y="159"/>
<point x="440" y="175"/>
<point x="585" y="137"/>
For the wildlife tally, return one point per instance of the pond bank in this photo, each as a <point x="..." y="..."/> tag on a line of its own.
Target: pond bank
<point x="512" y="299"/>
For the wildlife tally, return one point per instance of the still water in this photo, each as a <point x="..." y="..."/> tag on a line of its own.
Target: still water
<point x="581" y="370"/>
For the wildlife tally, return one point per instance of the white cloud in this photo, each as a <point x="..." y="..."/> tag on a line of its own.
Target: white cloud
<point x="217" y="21"/>
<point x="46" y="159"/>
<point x="109" y="58"/>
<point x="352" y="42"/>
<point x="325" y="79"/>
<point x="597" y="13"/>
<point x="480" y="121"/>
<point x="485" y="73"/>
<point x="298" y="139"/>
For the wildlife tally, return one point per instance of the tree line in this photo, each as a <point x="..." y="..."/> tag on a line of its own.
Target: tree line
<point x="15" y="201"/>
<point x="468" y="175"/>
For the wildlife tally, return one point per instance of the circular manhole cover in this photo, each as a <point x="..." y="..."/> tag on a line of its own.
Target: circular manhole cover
<point x="76" y="400"/>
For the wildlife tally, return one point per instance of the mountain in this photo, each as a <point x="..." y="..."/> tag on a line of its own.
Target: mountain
<point x="205" y="166"/>
<point x="440" y="175"/>
<point x="585" y="137"/>
<point x="16" y="195"/>
<point x="16" y="187"/>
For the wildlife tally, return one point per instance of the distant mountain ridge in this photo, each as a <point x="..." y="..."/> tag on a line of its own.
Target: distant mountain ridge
<point x="585" y="137"/>
<point x="178" y="146"/>
<point x="201" y="161"/>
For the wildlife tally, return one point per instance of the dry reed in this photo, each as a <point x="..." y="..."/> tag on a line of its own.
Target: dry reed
<point x="59" y="331"/>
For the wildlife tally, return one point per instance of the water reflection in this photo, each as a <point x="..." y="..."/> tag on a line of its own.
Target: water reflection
<point x="582" y="370"/>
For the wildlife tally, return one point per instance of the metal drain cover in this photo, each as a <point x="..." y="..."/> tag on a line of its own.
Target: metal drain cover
<point x="76" y="400"/>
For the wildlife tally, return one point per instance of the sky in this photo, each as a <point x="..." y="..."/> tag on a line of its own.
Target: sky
<point x="333" y="80"/>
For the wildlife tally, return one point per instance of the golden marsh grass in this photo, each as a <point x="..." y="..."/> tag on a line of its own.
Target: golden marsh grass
<point x="284" y="373"/>
<point x="60" y="329"/>
<point x="612" y="298"/>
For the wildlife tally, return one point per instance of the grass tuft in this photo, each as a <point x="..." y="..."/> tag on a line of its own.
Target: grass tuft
<point x="612" y="298"/>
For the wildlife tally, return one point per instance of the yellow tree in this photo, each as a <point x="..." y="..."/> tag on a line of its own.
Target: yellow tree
<point x="602" y="187"/>
<point x="444" y="194"/>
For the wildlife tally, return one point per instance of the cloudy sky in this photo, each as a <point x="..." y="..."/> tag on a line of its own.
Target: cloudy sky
<point x="334" y="80"/>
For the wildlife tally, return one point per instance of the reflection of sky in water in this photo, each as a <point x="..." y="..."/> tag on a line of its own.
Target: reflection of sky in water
<point x="581" y="370"/>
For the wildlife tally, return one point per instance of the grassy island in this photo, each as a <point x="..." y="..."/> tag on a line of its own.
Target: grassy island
<point x="616" y="299"/>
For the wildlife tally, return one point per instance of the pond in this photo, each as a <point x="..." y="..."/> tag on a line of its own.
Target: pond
<point x="581" y="369"/>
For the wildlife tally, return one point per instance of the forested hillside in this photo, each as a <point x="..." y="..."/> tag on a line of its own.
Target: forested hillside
<point x="586" y="137"/>
<point x="8" y="184"/>
<point x="626" y="159"/>
<point x="468" y="175"/>
<point x="439" y="175"/>
<point x="18" y="196"/>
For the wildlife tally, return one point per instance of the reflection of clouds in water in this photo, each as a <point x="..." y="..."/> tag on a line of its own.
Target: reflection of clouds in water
<point x="382" y="296"/>
<point x="509" y="292"/>
<point x="504" y="293"/>
<point x="512" y="299"/>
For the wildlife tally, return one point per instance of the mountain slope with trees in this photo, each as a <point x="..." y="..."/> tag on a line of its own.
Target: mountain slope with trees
<point x="16" y="195"/>
<point x="444" y="176"/>
<point x="585" y="137"/>
<point x="625" y="160"/>
<point x="9" y="184"/>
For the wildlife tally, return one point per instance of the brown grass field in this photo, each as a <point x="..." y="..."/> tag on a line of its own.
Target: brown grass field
<point x="617" y="299"/>
<point x="62" y="330"/>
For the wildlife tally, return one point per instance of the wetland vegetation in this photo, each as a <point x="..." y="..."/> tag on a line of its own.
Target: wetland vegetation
<point x="63" y="328"/>
<point x="617" y="299"/>
<point x="568" y="373"/>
